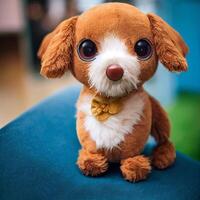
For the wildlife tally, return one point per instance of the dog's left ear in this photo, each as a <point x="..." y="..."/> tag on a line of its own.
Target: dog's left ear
<point x="170" y="47"/>
<point x="56" y="49"/>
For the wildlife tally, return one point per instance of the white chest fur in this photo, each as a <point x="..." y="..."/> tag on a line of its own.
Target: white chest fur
<point x="110" y="133"/>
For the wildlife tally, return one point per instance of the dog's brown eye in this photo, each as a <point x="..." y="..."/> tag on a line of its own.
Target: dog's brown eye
<point x="143" y="49"/>
<point x="87" y="50"/>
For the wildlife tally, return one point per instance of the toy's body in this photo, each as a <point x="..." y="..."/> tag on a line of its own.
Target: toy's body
<point x="113" y="49"/>
<point x="120" y="136"/>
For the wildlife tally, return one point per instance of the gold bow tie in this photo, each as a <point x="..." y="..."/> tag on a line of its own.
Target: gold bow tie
<point x="102" y="108"/>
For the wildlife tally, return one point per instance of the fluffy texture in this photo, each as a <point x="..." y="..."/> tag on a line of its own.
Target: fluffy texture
<point x="136" y="168"/>
<point x="115" y="28"/>
<point x="110" y="133"/>
<point x="126" y="23"/>
<point x="170" y="47"/>
<point x="56" y="49"/>
<point x="114" y="51"/>
<point x="160" y="129"/>
<point x="131" y="142"/>
<point x="164" y="155"/>
<point x="91" y="163"/>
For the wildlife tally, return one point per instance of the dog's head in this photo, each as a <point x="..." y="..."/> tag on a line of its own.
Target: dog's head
<point x="113" y="48"/>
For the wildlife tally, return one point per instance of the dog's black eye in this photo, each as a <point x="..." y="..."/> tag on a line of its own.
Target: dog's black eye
<point x="87" y="50"/>
<point x="143" y="49"/>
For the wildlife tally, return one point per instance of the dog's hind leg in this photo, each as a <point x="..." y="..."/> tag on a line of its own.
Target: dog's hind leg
<point x="164" y="154"/>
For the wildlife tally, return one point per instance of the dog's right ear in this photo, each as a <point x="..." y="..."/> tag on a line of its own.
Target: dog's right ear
<point x="56" y="49"/>
<point x="170" y="46"/>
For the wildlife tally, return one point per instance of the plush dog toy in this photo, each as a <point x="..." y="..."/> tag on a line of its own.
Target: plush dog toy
<point x="113" y="49"/>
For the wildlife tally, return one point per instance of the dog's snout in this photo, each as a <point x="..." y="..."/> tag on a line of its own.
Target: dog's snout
<point x="114" y="72"/>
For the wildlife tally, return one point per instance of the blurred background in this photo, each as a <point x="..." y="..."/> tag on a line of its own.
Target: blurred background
<point x="23" y="24"/>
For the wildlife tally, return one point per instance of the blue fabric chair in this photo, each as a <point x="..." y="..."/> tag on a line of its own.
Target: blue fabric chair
<point x="38" y="153"/>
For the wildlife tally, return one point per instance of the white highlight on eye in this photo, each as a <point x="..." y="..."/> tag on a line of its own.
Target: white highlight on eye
<point x="114" y="51"/>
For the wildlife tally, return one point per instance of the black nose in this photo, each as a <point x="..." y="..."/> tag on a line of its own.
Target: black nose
<point x="114" y="72"/>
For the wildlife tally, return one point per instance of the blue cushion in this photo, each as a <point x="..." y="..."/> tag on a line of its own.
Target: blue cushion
<point x="38" y="153"/>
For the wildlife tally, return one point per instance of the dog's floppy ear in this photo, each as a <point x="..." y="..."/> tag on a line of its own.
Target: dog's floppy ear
<point x="56" y="49"/>
<point x="170" y="47"/>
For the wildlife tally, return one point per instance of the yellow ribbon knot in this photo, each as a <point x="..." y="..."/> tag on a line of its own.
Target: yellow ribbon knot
<point x="102" y="108"/>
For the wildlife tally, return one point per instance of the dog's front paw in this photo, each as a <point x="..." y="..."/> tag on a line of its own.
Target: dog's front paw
<point x="164" y="155"/>
<point x="136" y="168"/>
<point x="92" y="164"/>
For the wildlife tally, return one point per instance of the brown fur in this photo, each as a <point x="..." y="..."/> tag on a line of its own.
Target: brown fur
<point x="135" y="168"/>
<point x="170" y="47"/>
<point x="113" y="18"/>
<point x="133" y="143"/>
<point x="160" y="125"/>
<point x="92" y="164"/>
<point x="56" y="50"/>
<point x="58" y="53"/>
<point x="164" y="155"/>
